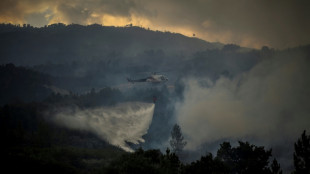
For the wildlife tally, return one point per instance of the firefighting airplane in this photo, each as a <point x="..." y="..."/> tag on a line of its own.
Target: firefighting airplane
<point x="153" y="78"/>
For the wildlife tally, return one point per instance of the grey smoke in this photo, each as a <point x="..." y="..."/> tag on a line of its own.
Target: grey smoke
<point x="125" y="122"/>
<point x="268" y="105"/>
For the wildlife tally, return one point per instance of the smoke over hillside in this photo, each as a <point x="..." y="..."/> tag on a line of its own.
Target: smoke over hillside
<point x="215" y="92"/>
<point x="269" y="104"/>
<point x="126" y="122"/>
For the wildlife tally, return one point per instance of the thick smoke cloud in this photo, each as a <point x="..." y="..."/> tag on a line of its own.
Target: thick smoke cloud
<point x="107" y="12"/>
<point x="126" y="122"/>
<point x="15" y="11"/>
<point x="269" y="104"/>
<point x="276" y="23"/>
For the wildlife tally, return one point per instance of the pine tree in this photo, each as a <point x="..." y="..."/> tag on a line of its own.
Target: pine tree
<point x="302" y="154"/>
<point x="177" y="142"/>
<point x="275" y="167"/>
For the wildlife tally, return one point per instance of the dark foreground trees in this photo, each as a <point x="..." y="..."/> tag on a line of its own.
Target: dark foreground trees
<point x="35" y="145"/>
<point x="206" y="164"/>
<point x="243" y="159"/>
<point x="302" y="154"/>
<point x="141" y="162"/>
<point x="246" y="158"/>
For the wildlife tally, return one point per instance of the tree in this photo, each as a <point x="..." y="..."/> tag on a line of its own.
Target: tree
<point x="170" y="163"/>
<point x="206" y="164"/>
<point x="177" y="142"/>
<point x="226" y="154"/>
<point x="302" y="154"/>
<point x="245" y="158"/>
<point x="150" y="161"/>
<point x="275" y="167"/>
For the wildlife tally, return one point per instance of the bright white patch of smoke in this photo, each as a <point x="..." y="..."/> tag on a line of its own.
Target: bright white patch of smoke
<point x="126" y="122"/>
<point x="270" y="103"/>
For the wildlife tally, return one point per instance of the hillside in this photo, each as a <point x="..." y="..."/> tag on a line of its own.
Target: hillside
<point x="58" y="43"/>
<point x="83" y="57"/>
<point x="22" y="84"/>
<point x="213" y="90"/>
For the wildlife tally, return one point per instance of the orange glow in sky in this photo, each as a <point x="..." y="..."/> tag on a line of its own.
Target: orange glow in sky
<point x="250" y="24"/>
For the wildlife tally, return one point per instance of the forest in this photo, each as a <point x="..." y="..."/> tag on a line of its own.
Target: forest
<point x="60" y="69"/>
<point x="31" y="143"/>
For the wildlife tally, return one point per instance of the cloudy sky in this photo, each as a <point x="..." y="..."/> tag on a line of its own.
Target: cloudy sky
<point x="275" y="23"/>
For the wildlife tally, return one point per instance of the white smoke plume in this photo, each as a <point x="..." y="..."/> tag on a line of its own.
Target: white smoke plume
<point x="269" y="104"/>
<point x="126" y="122"/>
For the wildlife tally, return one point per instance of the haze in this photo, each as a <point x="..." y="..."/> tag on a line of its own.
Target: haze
<point x="276" y="23"/>
<point x="237" y="70"/>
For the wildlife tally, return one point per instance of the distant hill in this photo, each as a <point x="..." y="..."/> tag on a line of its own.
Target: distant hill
<point x="84" y="57"/>
<point x="59" y="43"/>
<point x="21" y="84"/>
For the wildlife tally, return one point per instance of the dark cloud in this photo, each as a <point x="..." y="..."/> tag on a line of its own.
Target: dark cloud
<point x="73" y="13"/>
<point x="79" y="11"/>
<point x="274" y="23"/>
<point x="10" y="12"/>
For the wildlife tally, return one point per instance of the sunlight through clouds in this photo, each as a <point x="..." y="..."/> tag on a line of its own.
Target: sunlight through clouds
<point x="278" y="24"/>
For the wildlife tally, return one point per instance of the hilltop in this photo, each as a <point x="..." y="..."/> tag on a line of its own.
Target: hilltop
<point x="59" y="43"/>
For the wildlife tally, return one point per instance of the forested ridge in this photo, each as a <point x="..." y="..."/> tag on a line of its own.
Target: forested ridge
<point x="74" y="68"/>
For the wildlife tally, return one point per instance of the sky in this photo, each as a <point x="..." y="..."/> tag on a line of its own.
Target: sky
<point x="275" y="23"/>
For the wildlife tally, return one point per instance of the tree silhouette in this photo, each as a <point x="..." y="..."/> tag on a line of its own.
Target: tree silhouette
<point x="177" y="142"/>
<point x="275" y="167"/>
<point x="206" y="164"/>
<point x="226" y="154"/>
<point x="245" y="158"/>
<point x="302" y="154"/>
